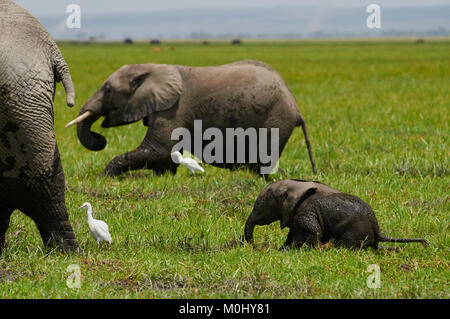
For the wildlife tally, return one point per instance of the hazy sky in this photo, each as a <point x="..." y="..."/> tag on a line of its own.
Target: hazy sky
<point x="143" y="19"/>
<point x="116" y="6"/>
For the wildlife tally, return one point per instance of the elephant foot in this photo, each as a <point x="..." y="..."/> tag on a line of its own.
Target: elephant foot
<point x="116" y="167"/>
<point x="61" y="241"/>
<point x="123" y="163"/>
<point x="5" y="214"/>
<point x="110" y="172"/>
<point x="62" y="247"/>
<point x="2" y="243"/>
<point x="52" y="221"/>
<point x="241" y="240"/>
<point x="60" y="236"/>
<point x="160" y="172"/>
<point x="141" y="159"/>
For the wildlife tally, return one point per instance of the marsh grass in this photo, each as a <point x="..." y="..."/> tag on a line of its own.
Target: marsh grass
<point x="377" y="114"/>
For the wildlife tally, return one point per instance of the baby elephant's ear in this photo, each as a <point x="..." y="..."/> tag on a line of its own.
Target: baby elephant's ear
<point x="154" y="88"/>
<point x="295" y="193"/>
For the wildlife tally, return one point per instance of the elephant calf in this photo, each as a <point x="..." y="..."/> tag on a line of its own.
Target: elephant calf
<point x="317" y="213"/>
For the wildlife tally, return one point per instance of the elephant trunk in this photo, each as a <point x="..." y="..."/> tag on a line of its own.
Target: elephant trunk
<point x="248" y="231"/>
<point x="91" y="140"/>
<point x="89" y="113"/>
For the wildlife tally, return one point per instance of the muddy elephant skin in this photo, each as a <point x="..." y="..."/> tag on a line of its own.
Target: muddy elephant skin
<point x="317" y="213"/>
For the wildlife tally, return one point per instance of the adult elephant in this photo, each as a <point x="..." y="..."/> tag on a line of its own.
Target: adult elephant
<point x="246" y="94"/>
<point x="31" y="175"/>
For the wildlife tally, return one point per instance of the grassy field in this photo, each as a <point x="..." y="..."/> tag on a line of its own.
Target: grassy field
<point x="378" y="115"/>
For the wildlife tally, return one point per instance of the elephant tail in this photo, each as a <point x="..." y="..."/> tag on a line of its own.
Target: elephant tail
<point x="66" y="80"/>
<point x="301" y="122"/>
<point x="62" y="74"/>
<point x="382" y="238"/>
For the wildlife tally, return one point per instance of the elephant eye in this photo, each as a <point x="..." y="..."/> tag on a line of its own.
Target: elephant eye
<point x="108" y="90"/>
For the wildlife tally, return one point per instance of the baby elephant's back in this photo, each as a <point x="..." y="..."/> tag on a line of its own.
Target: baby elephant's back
<point x="342" y="211"/>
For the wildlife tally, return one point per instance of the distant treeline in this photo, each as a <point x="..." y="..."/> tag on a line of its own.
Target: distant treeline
<point x="440" y="32"/>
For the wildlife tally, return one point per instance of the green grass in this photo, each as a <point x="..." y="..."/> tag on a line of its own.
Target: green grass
<point x="378" y="115"/>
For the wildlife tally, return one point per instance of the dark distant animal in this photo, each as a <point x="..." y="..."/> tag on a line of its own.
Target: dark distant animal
<point x="236" y="41"/>
<point x="128" y="41"/>
<point x="155" y="41"/>
<point x="31" y="174"/>
<point x="317" y="213"/>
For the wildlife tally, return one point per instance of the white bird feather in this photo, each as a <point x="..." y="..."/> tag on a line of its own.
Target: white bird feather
<point x="99" y="229"/>
<point x="189" y="162"/>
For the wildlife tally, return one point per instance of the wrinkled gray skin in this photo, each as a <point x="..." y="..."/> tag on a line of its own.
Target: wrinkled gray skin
<point x="31" y="175"/>
<point x="317" y="213"/>
<point x="243" y="94"/>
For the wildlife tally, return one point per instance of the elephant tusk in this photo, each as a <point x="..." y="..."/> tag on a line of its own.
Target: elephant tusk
<point x="80" y="118"/>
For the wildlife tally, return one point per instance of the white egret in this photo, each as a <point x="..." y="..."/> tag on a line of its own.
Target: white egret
<point x="190" y="163"/>
<point x="99" y="229"/>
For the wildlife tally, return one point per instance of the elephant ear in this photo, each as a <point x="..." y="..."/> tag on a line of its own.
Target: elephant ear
<point x="155" y="88"/>
<point x="293" y="193"/>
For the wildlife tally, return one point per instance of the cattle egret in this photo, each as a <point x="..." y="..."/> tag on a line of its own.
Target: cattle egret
<point x="98" y="228"/>
<point x="190" y="163"/>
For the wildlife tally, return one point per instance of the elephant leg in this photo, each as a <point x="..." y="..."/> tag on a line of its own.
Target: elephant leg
<point x="356" y="234"/>
<point x="5" y="214"/>
<point x="256" y="169"/>
<point x="45" y="205"/>
<point x="163" y="165"/>
<point x="354" y="239"/>
<point x="52" y="221"/>
<point x="306" y="238"/>
<point x="139" y="159"/>
<point x="284" y="132"/>
<point x="306" y="231"/>
<point x="289" y="240"/>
